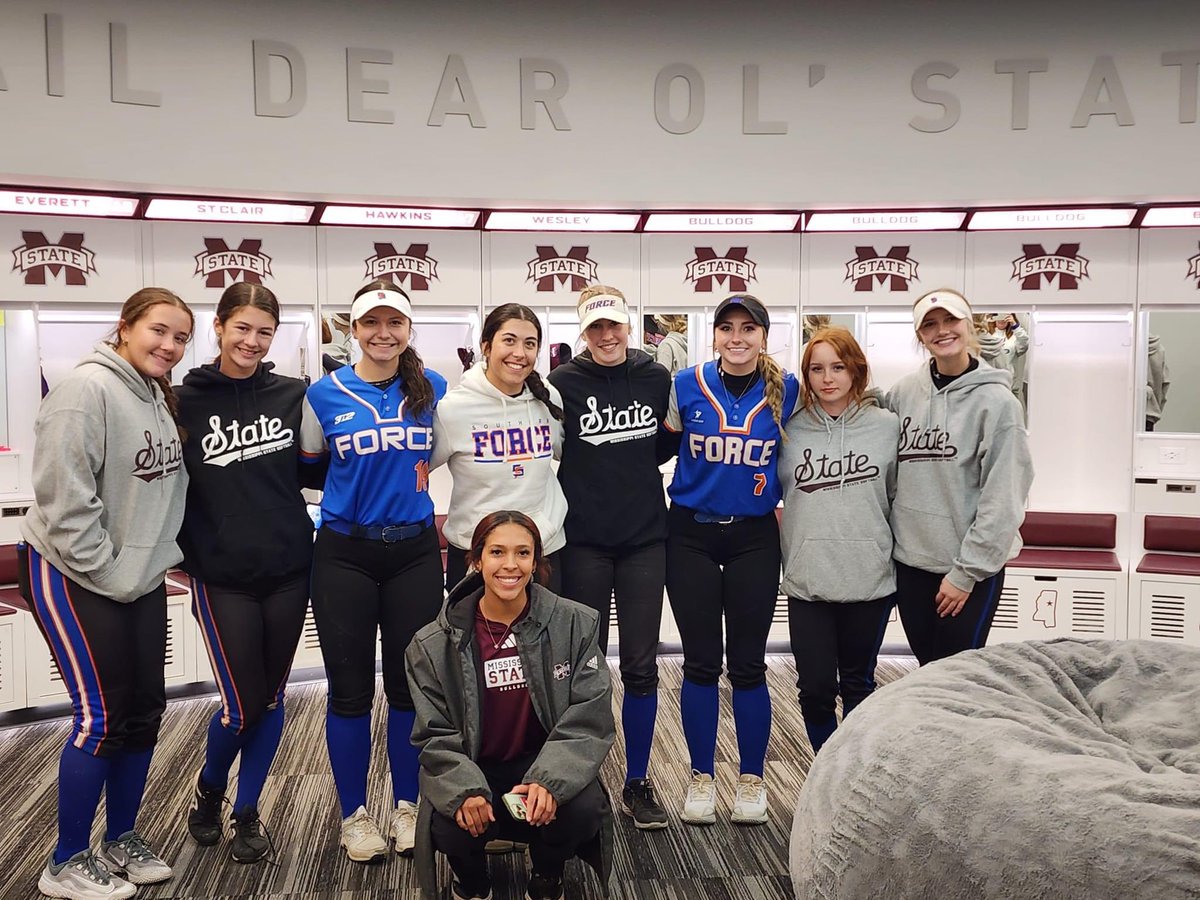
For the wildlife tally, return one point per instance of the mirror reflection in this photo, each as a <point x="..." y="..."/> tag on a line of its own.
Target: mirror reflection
<point x="1004" y="344"/>
<point x="665" y="338"/>
<point x="1169" y="337"/>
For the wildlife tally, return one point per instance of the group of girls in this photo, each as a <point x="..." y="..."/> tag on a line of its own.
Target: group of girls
<point x="101" y="537"/>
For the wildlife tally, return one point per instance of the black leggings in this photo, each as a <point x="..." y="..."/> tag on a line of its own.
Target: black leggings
<point x="932" y="637"/>
<point x="456" y="569"/>
<point x="730" y="570"/>
<point x="360" y="588"/>
<point x="251" y="636"/>
<point x="637" y="575"/>
<point x="110" y="655"/>
<point x="576" y="821"/>
<point x="836" y="646"/>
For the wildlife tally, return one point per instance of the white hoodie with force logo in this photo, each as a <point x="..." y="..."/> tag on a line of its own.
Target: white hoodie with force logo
<point x="500" y="450"/>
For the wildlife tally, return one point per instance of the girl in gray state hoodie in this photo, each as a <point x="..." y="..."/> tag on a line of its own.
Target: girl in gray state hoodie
<point x="838" y="470"/>
<point x="109" y="485"/>
<point x="963" y="479"/>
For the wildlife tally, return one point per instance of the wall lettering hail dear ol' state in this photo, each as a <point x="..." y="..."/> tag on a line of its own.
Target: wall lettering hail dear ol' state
<point x="280" y="83"/>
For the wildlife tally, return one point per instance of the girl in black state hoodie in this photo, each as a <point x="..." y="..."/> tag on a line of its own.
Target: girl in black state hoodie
<point x="614" y="400"/>
<point x="247" y="544"/>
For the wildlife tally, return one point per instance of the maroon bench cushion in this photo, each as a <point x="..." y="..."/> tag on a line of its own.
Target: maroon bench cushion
<point x="1085" y="560"/>
<point x="1180" y="534"/>
<point x="8" y="564"/>
<point x="1165" y="564"/>
<point x="7" y="610"/>
<point x="1065" y="529"/>
<point x="12" y="597"/>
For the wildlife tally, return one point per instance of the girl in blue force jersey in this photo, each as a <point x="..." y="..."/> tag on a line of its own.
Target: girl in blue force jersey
<point x="376" y="563"/>
<point x="723" y="546"/>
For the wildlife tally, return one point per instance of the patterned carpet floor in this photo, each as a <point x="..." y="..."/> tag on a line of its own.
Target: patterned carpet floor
<point x="721" y="862"/>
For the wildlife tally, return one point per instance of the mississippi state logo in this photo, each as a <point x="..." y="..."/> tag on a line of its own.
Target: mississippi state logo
<point x="1037" y="267"/>
<point x="414" y="264"/>
<point x="1194" y="269"/>
<point x="38" y="256"/>
<point x="733" y="270"/>
<point x="552" y="268"/>
<point x="1044" y="608"/>
<point x="868" y="269"/>
<point x="222" y="266"/>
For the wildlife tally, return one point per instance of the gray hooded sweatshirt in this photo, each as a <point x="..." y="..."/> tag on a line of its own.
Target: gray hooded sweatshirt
<point x="108" y="479"/>
<point x="993" y="350"/>
<point x="1158" y="378"/>
<point x="964" y="474"/>
<point x="838" y="479"/>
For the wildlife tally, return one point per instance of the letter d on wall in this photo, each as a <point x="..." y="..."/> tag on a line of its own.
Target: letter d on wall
<point x="297" y="80"/>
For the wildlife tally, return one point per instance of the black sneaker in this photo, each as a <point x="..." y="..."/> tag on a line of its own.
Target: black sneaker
<point x="637" y="800"/>
<point x="544" y="887"/>
<point x="459" y="892"/>
<point x="250" y="839"/>
<point x="204" y="820"/>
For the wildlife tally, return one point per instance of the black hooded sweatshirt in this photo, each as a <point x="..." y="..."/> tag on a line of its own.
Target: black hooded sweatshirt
<point x="245" y="523"/>
<point x="610" y="456"/>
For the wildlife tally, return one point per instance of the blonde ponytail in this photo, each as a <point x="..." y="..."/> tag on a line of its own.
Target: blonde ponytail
<point x="772" y="375"/>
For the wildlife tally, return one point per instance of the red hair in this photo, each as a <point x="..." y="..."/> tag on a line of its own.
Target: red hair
<point x="848" y="351"/>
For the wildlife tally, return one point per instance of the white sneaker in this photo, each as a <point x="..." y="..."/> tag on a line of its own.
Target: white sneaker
<point x="361" y="837"/>
<point x="404" y="827"/>
<point x="750" y="801"/>
<point x="700" y="804"/>
<point x="132" y="857"/>
<point x="83" y="877"/>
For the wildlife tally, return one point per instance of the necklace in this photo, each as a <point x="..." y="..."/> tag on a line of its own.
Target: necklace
<point x="749" y="384"/>
<point x="386" y="382"/>
<point x="487" y="624"/>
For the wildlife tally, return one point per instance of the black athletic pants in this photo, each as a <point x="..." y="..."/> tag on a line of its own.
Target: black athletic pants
<point x="730" y="570"/>
<point x="932" y="637"/>
<point x="361" y="587"/>
<point x="456" y="569"/>
<point x="591" y="576"/>
<point x="575" y="823"/>
<point x="251" y="636"/>
<point x="836" y="646"/>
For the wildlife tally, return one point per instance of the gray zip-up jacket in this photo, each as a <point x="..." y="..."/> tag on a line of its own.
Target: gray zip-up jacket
<point x="108" y="479"/>
<point x="569" y="687"/>
<point x="964" y="474"/>
<point x="838" y="479"/>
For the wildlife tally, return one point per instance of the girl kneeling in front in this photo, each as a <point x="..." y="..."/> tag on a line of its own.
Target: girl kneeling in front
<point x="513" y="698"/>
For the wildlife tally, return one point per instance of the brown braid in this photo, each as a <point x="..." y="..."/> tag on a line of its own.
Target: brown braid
<point x="418" y="391"/>
<point x="538" y="388"/>
<point x="772" y="375"/>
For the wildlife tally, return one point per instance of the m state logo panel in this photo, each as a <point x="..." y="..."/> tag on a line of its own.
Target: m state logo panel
<point x="733" y="270"/>
<point x="868" y="269"/>
<point x="412" y="269"/>
<point x="1068" y="266"/>
<point x="221" y="265"/>
<point x="551" y="270"/>
<point x="39" y="259"/>
<point x="1063" y="268"/>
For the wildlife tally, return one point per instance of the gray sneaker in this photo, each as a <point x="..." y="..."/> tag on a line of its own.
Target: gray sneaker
<point x="83" y="877"/>
<point x="132" y="857"/>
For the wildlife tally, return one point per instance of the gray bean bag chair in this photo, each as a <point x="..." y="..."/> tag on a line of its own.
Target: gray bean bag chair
<point x="1060" y="770"/>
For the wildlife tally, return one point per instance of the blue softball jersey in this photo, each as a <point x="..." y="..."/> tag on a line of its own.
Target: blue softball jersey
<point x="378" y="452"/>
<point x="730" y="446"/>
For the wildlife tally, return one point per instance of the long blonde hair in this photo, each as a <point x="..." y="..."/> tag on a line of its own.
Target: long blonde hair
<point x="772" y="375"/>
